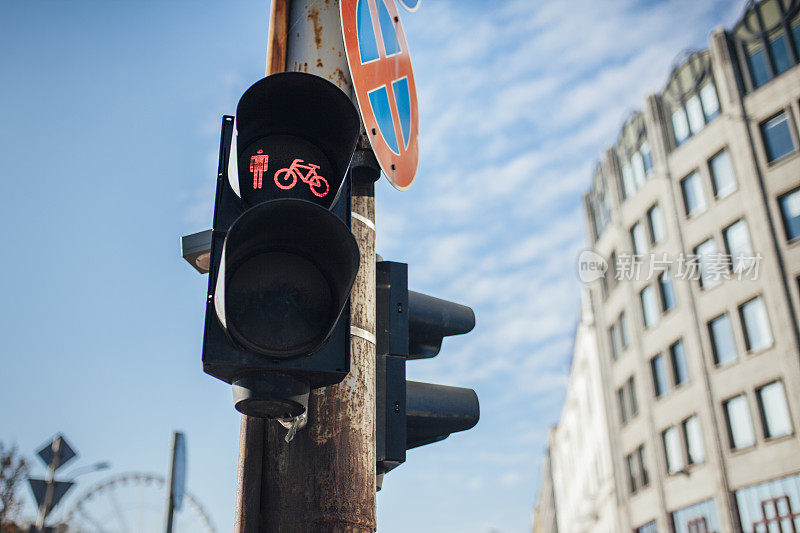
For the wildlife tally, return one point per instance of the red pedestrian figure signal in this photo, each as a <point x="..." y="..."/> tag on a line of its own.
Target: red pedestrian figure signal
<point x="286" y="178"/>
<point x="258" y="165"/>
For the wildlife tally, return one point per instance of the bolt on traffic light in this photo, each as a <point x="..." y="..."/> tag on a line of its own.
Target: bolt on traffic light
<point x="283" y="259"/>
<point x="411" y="325"/>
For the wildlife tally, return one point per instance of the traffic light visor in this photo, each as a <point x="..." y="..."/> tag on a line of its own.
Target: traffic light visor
<point x="296" y="134"/>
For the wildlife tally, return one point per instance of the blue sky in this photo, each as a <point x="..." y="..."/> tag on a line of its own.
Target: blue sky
<point x="109" y="138"/>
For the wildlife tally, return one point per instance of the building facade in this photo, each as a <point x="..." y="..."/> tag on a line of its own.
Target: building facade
<point x="696" y="209"/>
<point x="580" y="459"/>
<point x="544" y="514"/>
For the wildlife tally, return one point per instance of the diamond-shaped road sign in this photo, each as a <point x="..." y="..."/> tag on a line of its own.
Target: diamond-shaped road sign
<point x="66" y="452"/>
<point x="39" y="489"/>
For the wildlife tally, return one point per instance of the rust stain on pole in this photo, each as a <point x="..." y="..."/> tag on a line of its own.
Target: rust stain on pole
<point x="315" y="43"/>
<point x="324" y="480"/>
<point x="313" y="16"/>
<point x="277" y="38"/>
<point x="248" y="483"/>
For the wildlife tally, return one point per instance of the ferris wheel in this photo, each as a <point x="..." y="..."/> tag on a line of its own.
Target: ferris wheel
<point x="133" y="503"/>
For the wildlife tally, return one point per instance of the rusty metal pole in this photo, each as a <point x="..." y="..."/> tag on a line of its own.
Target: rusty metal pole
<point x="251" y="433"/>
<point x="324" y="479"/>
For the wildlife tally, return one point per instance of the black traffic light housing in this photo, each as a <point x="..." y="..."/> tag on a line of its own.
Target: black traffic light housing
<point x="412" y="325"/>
<point x="283" y="259"/>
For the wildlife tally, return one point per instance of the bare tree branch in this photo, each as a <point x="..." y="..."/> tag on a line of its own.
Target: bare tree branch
<point x="13" y="469"/>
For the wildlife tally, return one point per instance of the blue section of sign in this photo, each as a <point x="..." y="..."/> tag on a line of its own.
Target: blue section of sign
<point x="403" y="99"/>
<point x="367" y="44"/>
<point x="387" y="30"/>
<point x="379" y="100"/>
<point x="411" y="5"/>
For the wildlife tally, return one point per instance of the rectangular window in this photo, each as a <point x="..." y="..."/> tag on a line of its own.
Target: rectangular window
<point x="693" y="438"/>
<point x="672" y="450"/>
<point x="616" y="341"/>
<point x="694" y="200"/>
<point x="633" y="472"/>
<point x="622" y="397"/>
<point x="680" y="126"/>
<point x="771" y="506"/>
<point x="722" y="339"/>
<point x="710" y="263"/>
<point x="647" y="157"/>
<point x="740" y="428"/>
<point x="649" y="527"/>
<point x="722" y="176"/>
<point x="695" y="112"/>
<point x="796" y="34"/>
<point x="659" y="372"/>
<point x="790" y="212"/>
<point x="757" y="332"/>
<point x="632" y="397"/>
<point x="612" y="269"/>
<point x="623" y="330"/>
<point x="680" y="372"/>
<point x="780" y="54"/>
<point x="656" y="221"/>
<point x="758" y="67"/>
<point x="649" y="306"/>
<point x="774" y="411"/>
<point x="777" y="137"/>
<point x="737" y="242"/>
<point x="629" y="187"/>
<point x="638" y="238"/>
<point x="637" y="471"/>
<point x="708" y="95"/>
<point x="667" y="291"/>
<point x="638" y="169"/>
<point x="642" y="468"/>
<point x="698" y="518"/>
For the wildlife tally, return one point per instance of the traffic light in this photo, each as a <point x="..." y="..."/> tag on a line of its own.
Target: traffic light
<point x="283" y="259"/>
<point x="411" y="325"/>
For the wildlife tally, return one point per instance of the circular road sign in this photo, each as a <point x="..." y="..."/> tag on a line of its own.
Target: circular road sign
<point x="380" y="65"/>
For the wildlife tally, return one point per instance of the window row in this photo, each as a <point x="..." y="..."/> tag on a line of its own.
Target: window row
<point x="669" y="370"/>
<point x="773" y="413"/>
<point x="696" y="111"/>
<point x="772" y="505"/>
<point x="636" y="169"/>
<point x="723" y="183"/>
<point x="654" y="234"/>
<point x="683" y="445"/>
<point x="771" y="41"/>
<point x="754" y="325"/>
<point x="656" y="301"/>
<point x="738" y="258"/>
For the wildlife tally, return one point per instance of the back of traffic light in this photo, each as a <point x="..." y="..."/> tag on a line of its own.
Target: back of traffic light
<point x="412" y="325"/>
<point x="283" y="259"/>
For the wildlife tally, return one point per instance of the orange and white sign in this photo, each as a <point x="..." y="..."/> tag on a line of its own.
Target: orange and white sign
<point x="380" y="66"/>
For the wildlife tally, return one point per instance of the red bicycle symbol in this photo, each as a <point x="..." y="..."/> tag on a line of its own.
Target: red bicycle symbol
<point x="286" y="178"/>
